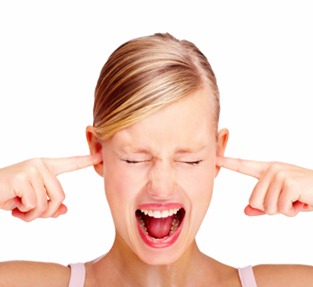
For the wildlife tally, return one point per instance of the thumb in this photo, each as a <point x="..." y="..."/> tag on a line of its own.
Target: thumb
<point x="250" y="211"/>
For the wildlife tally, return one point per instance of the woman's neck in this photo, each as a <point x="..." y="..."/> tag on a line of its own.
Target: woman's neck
<point x="128" y="269"/>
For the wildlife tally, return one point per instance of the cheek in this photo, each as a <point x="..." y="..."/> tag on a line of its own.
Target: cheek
<point x="198" y="181"/>
<point x="122" y="183"/>
<point x="119" y="195"/>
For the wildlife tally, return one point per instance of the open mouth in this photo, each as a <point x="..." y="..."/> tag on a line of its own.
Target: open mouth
<point x="160" y="224"/>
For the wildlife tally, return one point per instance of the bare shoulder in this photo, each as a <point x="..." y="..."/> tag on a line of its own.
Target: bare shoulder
<point x="283" y="275"/>
<point x="27" y="273"/>
<point x="215" y="273"/>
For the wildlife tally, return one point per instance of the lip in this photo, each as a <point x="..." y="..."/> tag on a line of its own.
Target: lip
<point x="168" y="240"/>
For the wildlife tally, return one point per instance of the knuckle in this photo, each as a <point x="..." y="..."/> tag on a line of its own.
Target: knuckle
<point x="286" y="210"/>
<point x="42" y="208"/>
<point x="61" y="197"/>
<point x="34" y="163"/>
<point x="32" y="171"/>
<point x="58" y="196"/>
<point x="21" y="178"/>
<point x="27" y="203"/>
<point x="254" y="203"/>
<point x="29" y="206"/>
<point x="275" y="167"/>
<point x="281" y="175"/>
<point x="31" y="167"/>
<point x="269" y="209"/>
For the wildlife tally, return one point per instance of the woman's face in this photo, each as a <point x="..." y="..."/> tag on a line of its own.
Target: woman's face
<point x="159" y="176"/>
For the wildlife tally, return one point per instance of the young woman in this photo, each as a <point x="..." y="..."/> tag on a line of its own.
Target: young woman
<point x="155" y="141"/>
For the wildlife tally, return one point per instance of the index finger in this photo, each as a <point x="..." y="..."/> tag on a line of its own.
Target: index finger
<point x="67" y="164"/>
<point x="247" y="167"/>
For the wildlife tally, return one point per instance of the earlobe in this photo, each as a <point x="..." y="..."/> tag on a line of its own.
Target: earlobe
<point x="222" y="139"/>
<point x="95" y="146"/>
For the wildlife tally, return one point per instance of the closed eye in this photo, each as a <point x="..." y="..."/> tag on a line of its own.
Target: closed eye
<point x="131" y="161"/>
<point x="134" y="161"/>
<point x="193" y="162"/>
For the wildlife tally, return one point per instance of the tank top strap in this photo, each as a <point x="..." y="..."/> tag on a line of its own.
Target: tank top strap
<point x="78" y="274"/>
<point x="247" y="277"/>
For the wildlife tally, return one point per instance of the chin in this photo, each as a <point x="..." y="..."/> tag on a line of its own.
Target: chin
<point x="163" y="256"/>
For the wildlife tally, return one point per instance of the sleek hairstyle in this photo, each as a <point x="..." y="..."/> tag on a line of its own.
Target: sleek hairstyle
<point x="145" y="74"/>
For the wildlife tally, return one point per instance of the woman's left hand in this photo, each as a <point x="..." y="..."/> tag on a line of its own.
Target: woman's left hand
<point x="281" y="188"/>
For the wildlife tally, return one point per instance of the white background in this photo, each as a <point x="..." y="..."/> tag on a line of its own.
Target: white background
<point x="51" y="53"/>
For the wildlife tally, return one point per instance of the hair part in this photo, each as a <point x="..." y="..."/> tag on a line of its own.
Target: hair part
<point x="145" y="74"/>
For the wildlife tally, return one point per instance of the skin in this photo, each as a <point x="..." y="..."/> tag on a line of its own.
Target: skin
<point x="281" y="189"/>
<point x="162" y="173"/>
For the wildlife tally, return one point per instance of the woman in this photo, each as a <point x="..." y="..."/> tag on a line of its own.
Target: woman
<point x="155" y="142"/>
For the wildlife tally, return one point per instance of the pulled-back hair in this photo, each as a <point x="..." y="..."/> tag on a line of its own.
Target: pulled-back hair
<point x="145" y="74"/>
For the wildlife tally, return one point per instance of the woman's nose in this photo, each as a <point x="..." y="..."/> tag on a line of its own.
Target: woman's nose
<point x="162" y="181"/>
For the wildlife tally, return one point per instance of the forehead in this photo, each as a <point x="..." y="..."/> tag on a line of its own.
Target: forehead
<point x="184" y="123"/>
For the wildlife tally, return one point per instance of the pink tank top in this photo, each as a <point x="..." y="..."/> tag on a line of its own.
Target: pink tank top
<point x="247" y="277"/>
<point x="78" y="274"/>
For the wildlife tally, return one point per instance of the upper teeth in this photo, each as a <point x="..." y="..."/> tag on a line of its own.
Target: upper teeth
<point x="160" y="213"/>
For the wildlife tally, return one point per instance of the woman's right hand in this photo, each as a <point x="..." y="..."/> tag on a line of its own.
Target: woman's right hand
<point x="30" y="189"/>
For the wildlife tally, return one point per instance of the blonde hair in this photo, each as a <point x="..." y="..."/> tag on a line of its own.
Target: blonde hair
<point x="145" y="74"/>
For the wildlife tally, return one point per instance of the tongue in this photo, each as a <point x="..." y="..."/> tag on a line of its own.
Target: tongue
<point x="159" y="227"/>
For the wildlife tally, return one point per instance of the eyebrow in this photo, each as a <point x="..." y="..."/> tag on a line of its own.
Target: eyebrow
<point x="128" y="149"/>
<point x="186" y="150"/>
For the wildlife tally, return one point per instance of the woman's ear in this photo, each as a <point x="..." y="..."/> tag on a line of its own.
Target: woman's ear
<point x="222" y="139"/>
<point x="95" y="147"/>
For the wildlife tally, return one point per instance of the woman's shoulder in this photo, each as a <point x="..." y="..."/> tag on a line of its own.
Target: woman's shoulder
<point x="219" y="273"/>
<point x="277" y="275"/>
<point x="16" y="273"/>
